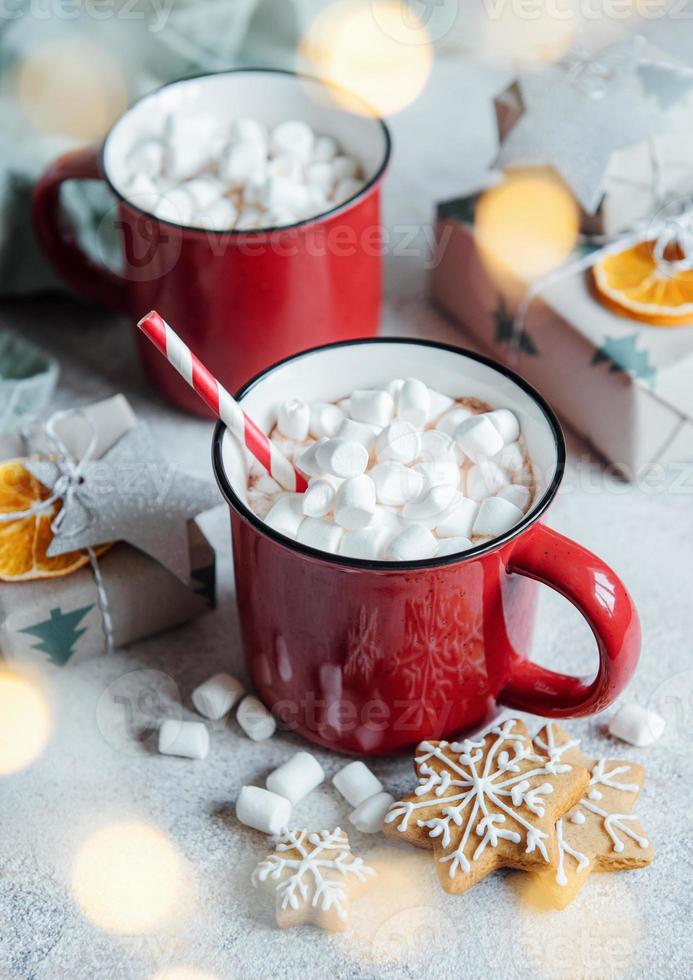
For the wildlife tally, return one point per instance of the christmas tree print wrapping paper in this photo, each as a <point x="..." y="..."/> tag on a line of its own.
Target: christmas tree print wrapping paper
<point x="59" y="621"/>
<point x="623" y="385"/>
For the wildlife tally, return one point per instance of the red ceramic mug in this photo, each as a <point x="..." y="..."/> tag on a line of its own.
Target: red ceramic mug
<point x="366" y="657"/>
<point x="240" y="300"/>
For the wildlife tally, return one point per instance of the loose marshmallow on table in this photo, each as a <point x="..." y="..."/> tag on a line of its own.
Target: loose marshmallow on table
<point x="255" y="719"/>
<point x="637" y="725"/>
<point x="414" y="402"/>
<point x="368" y="816"/>
<point x="189" y="739"/>
<point x="399" y="442"/>
<point x="478" y="438"/>
<point x="354" y="506"/>
<point x="296" y="778"/>
<point x="342" y="457"/>
<point x="217" y="696"/>
<point x="262" y="810"/>
<point x="293" y="419"/>
<point x="375" y="407"/>
<point x="413" y="544"/>
<point x="495" y="517"/>
<point x="356" y="783"/>
<point x="318" y="499"/>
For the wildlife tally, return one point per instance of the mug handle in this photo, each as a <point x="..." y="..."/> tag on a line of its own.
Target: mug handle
<point x="601" y="597"/>
<point x="58" y="240"/>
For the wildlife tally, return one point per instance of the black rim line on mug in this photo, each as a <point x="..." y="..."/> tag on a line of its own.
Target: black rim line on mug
<point x="528" y="519"/>
<point x="255" y="232"/>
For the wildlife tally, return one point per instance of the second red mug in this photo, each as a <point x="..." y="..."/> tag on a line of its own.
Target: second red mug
<point x="366" y="657"/>
<point x="240" y="300"/>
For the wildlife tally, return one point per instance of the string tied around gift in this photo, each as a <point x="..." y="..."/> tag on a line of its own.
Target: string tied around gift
<point x="670" y="235"/>
<point x="68" y="488"/>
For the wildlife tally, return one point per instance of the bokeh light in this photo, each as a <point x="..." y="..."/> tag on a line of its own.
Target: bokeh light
<point x="25" y="722"/>
<point x="71" y="87"/>
<point x="127" y="878"/>
<point x="377" y="49"/>
<point x="527" y="225"/>
<point x="522" y="36"/>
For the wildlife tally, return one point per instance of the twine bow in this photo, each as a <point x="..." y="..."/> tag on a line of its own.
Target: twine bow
<point x="68" y="488"/>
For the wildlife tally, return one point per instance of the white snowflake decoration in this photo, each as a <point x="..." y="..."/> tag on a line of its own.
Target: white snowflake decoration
<point x="311" y="871"/>
<point x="482" y="790"/>
<point x="615" y="824"/>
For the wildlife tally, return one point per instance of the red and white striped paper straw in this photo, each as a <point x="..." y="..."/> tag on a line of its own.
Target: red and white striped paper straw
<point x="155" y="328"/>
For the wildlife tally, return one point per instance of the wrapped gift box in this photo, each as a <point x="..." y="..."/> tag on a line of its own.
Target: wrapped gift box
<point x="59" y="620"/>
<point x="623" y="385"/>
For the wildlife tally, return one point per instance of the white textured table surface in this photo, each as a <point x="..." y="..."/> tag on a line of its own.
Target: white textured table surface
<point x="630" y="925"/>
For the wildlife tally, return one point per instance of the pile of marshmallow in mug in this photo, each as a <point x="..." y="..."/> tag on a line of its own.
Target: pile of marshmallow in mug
<point x="239" y="177"/>
<point x="400" y="473"/>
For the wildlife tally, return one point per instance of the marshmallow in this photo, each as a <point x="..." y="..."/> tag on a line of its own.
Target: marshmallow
<point x="219" y="216"/>
<point x="458" y="520"/>
<point x="368" y="816"/>
<point x="296" y="778"/>
<point x="147" y="157"/>
<point x="320" y="176"/>
<point x="431" y="508"/>
<point x="478" y="438"/>
<point x="204" y="190"/>
<point x="439" y="472"/>
<point x="516" y="494"/>
<point x="506" y="423"/>
<point x="356" y="783"/>
<point x="436" y="445"/>
<point x="316" y="532"/>
<point x="242" y="161"/>
<point x="307" y="461"/>
<point x="175" y="206"/>
<point x="294" y="138"/>
<point x="496" y="516"/>
<point x="255" y="719"/>
<point x="452" y="546"/>
<point x="342" y="457"/>
<point x="450" y="422"/>
<point x="399" y="442"/>
<point x="344" y="167"/>
<point x="325" y="148"/>
<point x="485" y="479"/>
<point x="637" y="725"/>
<point x="512" y="459"/>
<point x="262" y="810"/>
<point x="388" y="517"/>
<point x="216" y="696"/>
<point x="142" y="190"/>
<point x="367" y="543"/>
<point x="362" y="432"/>
<point x="395" y="483"/>
<point x="186" y="156"/>
<point x="289" y="447"/>
<point x="414" y="543"/>
<point x="346" y="188"/>
<point x="247" y="130"/>
<point x="189" y="739"/>
<point x="354" y="506"/>
<point x="318" y="499"/>
<point x="249" y="219"/>
<point x="325" y="419"/>
<point x="394" y="387"/>
<point x="293" y="419"/>
<point x="287" y="514"/>
<point x="414" y="402"/>
<point x="374" y="407"/>
<point x="439" y="404"/>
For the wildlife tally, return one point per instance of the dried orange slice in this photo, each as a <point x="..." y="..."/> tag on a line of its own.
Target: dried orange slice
<point x="25" y="541"/>
<point x="632" y="284"/>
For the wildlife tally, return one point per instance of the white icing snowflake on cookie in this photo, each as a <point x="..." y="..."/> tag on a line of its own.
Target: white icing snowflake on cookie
<point x="599" y="833"/>
<point x="486" y="803"/>
<point x="314" y="876"/>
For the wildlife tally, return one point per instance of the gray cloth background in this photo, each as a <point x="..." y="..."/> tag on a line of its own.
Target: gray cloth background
<point x="154" y="41"/>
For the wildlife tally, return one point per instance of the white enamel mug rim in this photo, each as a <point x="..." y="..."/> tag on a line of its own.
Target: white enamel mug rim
<point x="324" y="86"/>
<point x="548" y="492"/>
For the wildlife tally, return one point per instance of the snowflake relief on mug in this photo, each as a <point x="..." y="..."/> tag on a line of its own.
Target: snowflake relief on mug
<point x="313" y="876"/>
<point x="364" y="651"/>
<point x="486" y="803"/>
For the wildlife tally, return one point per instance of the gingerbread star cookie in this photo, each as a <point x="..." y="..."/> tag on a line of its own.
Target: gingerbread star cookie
<point x="486" y="803"/>
<point x="600" y="833"/>
<point x="314" y="876"/>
